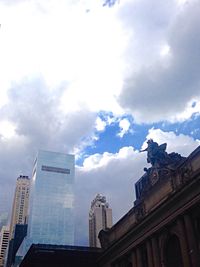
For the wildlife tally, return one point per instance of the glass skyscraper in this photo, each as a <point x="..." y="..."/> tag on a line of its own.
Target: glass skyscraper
<point x="51" y="217"/>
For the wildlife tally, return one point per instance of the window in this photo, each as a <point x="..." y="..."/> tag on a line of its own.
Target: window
<point x="55" y="169"/>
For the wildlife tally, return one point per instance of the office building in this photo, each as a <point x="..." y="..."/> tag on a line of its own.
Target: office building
<point x="20" y="203"/>
<point x="51" y="217"/>
<point x="100" y="217"/>
<point x="4" y="240"/>
<point x="51" y="204"/>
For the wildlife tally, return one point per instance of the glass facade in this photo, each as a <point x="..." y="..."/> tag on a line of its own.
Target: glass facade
<point x="51" y="217"/>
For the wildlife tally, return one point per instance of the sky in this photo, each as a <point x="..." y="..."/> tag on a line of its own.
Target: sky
<point x="97" y="81"/>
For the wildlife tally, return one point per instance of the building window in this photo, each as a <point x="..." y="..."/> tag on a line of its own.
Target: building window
<point x="55" y="169"/>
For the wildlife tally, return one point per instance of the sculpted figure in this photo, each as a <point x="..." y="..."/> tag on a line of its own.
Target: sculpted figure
<point x="156" y="155"/>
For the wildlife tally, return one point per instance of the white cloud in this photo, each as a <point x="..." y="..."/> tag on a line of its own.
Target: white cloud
<point x="100" y="124"/>
<point x="62" y="42"/>
<point x="7" y="129"/>
<point x="182" y="3"/>
<point x="99" y="160"/>
<point x="158" y="90"/>
<point x="181" y="143"/>
<point x="189" y="110"/>
<point x="112" y="175"/>
<point x="94" y="51"/>
<point x="165" y="50"/>
<point x="124" y="125"/>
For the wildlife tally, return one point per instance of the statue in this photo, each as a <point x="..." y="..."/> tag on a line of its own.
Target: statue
<point x="164" y="165"/>
<point x="157" y="155"/>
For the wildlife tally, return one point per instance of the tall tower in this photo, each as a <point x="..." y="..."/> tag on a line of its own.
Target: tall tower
<point x="20" y="203"/>
<point x="100" y="217"/>
<point x="4" y="239"/>
<point x="51" y="216"/>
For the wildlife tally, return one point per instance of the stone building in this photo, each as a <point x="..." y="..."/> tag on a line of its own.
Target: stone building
<point x="20" y="203"/>
<point x="163" y="227"/>
<point x="100" y="217"/>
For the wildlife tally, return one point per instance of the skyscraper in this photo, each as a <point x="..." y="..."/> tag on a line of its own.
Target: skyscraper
<point x="20" y="203"/>
<point x="100" y="217"/>
<point x="51" y="218"/>
<point x="4" y="239"/>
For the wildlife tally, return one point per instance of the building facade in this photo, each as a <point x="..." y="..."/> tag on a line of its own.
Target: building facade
<point x="20" y="203"/>
<point x="4" y="240"/>
<point x="51" y="218"/>
<point x="163" y="227"/>
<point x="100" y="217"/>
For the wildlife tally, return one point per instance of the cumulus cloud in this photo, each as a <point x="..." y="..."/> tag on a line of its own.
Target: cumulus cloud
<point x="181" y="143"/>
<point x="162" y="92"/>
<point x="145" y="24"/>
<point x="124" y="125"/>
<point x="112" y="175"/>
<point x="62" y="42"/>
<point x="35" y="111"/>
<point x="100" y="124"/>
<point x="7" y="129"/>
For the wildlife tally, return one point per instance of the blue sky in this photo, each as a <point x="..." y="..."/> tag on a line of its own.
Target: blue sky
<point x="137" y="133"/>
<point x="97" y="81"/>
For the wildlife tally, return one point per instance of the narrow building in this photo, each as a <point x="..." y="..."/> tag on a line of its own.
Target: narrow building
<point x="100" y="217"/>
<point x="4" y="240"/>
<point x="20" y="203"/>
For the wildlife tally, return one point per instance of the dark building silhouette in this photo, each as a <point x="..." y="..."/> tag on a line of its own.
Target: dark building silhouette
<point x="161" y="230"/>
<point x="41" y="255"/>
<point x="19" y="234"/>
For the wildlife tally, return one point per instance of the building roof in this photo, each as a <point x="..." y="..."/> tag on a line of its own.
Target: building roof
<point x="42" y="255"/>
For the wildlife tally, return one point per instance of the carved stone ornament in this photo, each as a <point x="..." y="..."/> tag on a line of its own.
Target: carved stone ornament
<point x="103" y="237"/>
<point x="186" y="173"/>
<point x="140" y="211"/>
